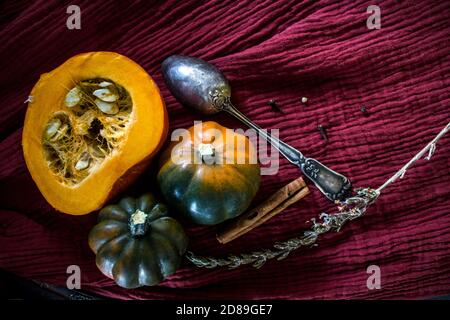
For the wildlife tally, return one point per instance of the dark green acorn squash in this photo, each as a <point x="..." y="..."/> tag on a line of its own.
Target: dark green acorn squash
<point x="211" y="175"/>
<point x="136" y="243"/>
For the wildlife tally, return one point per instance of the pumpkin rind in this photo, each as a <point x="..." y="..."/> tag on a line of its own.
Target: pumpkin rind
<point x="204" y="193"/>
<point x="145" y="133"/>
<point x="134" y="261"/>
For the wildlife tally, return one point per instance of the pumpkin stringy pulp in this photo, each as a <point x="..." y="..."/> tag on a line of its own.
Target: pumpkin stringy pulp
<point x="92" y="125"/>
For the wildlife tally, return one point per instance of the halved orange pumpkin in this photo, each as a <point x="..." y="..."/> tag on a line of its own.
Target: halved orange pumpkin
<point x="91" y="128"/>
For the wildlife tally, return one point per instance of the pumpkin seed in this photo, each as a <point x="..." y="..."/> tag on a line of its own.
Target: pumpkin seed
<point x="106" y="107"/>
<point x="104" y="84"/>
<point x="61" y="132"/>
<point x="83" y="162"/>
<point x="105" y="95"/>
<point x="88" y="84"/>
<point x="52" y="128"/>
<point x="73" y="97"/>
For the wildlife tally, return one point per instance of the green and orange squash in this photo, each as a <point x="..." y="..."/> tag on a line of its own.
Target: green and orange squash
<point x="211" y="175"/>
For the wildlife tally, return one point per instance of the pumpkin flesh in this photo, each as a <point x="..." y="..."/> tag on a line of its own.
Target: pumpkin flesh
<point x="138" y="130"/>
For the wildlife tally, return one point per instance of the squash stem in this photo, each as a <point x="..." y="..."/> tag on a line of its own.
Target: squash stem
<point x="138" y="223"/>
<point x="206" y="152"/>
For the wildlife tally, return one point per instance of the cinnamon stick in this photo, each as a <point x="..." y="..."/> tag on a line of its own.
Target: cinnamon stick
<point x="280" y="200"/>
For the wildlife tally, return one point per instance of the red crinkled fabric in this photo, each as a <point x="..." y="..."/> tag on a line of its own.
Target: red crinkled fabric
<point x="280" y="50"/>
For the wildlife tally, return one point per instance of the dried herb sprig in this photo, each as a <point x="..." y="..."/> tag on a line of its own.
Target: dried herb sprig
<point x="350" y="209"/>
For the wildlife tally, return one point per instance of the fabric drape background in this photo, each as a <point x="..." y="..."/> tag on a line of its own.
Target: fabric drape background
<point x="280" y="50"/>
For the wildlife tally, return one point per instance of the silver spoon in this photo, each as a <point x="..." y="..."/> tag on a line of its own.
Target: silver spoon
<point x="201" y="86"/>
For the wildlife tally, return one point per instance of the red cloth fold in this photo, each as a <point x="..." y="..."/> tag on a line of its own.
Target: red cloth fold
<point x="280" y="50"/>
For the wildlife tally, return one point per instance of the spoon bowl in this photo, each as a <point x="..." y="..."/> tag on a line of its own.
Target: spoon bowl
<point x="192" y="81"/>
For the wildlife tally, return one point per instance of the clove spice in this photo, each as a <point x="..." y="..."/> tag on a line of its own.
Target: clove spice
<point x="364" y="111"/>
<point x="274" y="105"/>
<point x="323" y="132"/>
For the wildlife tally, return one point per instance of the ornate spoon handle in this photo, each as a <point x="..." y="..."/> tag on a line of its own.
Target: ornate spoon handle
<point x="333" y="185"/>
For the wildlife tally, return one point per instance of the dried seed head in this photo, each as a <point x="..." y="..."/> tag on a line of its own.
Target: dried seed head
<point x="83" y="162"/>
<point x="105" y="95"/>
<point x="52" y="128"/>
<point x="106" y="107"/>
<point x="73" y="97"/>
